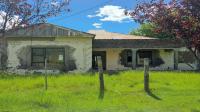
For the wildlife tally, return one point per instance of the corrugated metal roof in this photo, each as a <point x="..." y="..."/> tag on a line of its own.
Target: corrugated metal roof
<point x="102" y="34"/>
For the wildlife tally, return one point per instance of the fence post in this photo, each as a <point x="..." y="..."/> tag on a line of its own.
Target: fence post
<point x="45" y="78"/>
<point x="101" y="78"/>
<point x="146" y="75"/>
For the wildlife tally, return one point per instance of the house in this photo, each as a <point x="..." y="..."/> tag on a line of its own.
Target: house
<point x="71" y="50"/>
<point x="121" y="52"/>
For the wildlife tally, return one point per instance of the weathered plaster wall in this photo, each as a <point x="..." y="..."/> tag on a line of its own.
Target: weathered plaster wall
<point x="168" y="57"/>
<point x="19" y="51"/>
<point x="113" y="59"/>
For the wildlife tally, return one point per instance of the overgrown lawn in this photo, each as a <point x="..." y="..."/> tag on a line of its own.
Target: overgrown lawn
<point x="171" y="92"/>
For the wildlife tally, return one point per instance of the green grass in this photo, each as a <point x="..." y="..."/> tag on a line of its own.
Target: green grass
<point x="177" y="92"/>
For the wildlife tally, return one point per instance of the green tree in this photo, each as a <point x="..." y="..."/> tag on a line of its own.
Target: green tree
<point x="178" y="17"/>
<point x="149" y="30"/>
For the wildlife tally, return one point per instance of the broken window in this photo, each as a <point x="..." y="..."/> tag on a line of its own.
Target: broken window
<point x="144" y="54"/>
<point x="126" y="58"/>
<point x="55" y="57"/>
<point x="129" y="57"/>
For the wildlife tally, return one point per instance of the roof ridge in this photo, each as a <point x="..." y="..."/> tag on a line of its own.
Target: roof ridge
<point x="44" y="27"/>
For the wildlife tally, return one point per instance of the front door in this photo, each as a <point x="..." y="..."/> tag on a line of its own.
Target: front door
<point x="94" y="59"/>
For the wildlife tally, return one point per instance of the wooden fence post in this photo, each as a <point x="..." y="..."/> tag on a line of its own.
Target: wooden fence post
<point x="146" y="75"/>
<point x="101" y="79"/>
<point x="45" y="78"/>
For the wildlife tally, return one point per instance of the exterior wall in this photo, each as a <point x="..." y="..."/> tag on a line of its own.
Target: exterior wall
<point x="19" y="51"/>
<point x="168" y="58"/>
<point x="186" y="66"/>
<point x="113" y="59"/>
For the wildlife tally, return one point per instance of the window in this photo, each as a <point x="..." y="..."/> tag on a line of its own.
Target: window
<point x="38" y="57"/>
<point x="126" y="58"/>
<point x="55" y="57"/>
<point x="143" y="54"/>
<point x="129" y="57"/>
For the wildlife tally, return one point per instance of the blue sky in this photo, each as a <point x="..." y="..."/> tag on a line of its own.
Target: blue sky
<point x="98" y="14"/>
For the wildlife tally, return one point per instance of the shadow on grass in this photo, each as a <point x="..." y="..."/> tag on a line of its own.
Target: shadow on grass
<point x="153" y="95"/>
<point x="101" y="95"/>
<point x="108" y="72"/>
<point x="113" y="72"/>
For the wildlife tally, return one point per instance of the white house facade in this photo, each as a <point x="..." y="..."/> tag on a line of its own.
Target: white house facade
<point x="68" y="50"/>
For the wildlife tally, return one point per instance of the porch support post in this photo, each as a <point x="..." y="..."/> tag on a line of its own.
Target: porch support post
<point x="134" y="56"/>
<point x="175" y="59"/>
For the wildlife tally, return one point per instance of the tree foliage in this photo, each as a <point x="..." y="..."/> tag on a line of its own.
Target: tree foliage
<point x="178" y="17"/>
<point x="15" y="13"/>
<point x="148" y="29"/>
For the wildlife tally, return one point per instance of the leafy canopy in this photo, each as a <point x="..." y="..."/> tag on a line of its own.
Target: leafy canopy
<point x="15" y="13"/>
<point x="149" y="30"/>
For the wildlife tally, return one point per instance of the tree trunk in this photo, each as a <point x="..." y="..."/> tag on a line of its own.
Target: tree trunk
<point x="197" y="56"/>
<point x="195" y="53"/>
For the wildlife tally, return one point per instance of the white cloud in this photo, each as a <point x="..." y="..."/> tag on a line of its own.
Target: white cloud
<point x="111" y="13"/>
<point x="91" y="16"/>
<point x="97" y="25"/>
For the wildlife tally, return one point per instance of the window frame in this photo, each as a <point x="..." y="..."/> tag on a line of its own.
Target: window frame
<point x="45" y="54"/>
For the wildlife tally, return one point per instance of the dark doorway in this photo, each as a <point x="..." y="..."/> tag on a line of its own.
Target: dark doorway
<point x="94" y="59"/>
<point x="141" y="54"/>
<point x="126" y="58"/>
